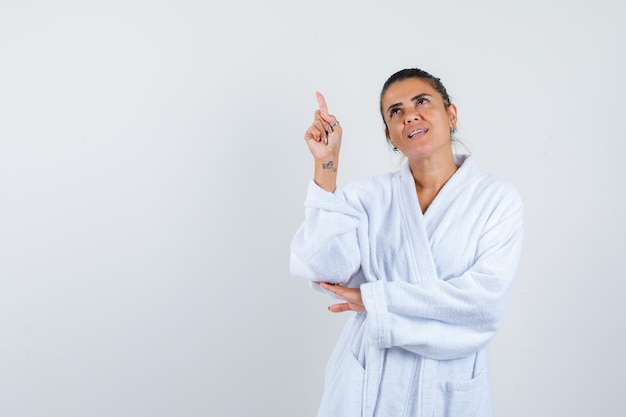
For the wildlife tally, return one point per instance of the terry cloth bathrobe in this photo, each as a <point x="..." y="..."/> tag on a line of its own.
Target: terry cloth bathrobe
<point x="436" y="287"/>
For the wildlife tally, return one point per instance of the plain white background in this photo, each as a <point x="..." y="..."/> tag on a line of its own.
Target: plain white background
<point x="153" y="171"/>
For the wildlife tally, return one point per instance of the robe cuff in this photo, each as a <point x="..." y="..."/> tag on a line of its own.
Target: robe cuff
<point x="378" y="320"/>
<point x="321" y="199"/>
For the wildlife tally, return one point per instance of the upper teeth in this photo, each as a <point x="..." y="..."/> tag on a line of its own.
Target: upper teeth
<point x="416" y="132"/>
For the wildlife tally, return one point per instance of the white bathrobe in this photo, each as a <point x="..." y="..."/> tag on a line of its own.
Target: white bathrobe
<point x="436" y="287"/>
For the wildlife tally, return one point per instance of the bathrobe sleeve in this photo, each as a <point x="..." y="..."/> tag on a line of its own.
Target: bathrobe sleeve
<point x="452" y="318"/>
<point x="325" y="247"/>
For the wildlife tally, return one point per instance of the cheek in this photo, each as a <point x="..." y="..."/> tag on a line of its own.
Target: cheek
<point x="395" y="131"/>
<point x="395" y="126"/>
<point x="444" y="121"/>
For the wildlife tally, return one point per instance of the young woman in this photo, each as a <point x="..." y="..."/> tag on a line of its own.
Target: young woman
<point x="426" y="257"/>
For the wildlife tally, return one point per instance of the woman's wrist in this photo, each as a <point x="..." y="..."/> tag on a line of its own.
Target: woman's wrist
<point x="325" y="175"/>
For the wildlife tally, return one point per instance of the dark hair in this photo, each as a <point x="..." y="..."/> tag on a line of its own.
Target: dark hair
<point x="419" y="74"/>
<point x="413" y="73"/>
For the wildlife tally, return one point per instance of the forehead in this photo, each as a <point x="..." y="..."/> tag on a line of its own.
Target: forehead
<point x="405" y="90"/>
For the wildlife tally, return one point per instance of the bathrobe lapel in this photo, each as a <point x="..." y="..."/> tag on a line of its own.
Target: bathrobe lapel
<point x="421" y="259"/>
<point x="418" y="226"/>
<point x="419" y="253"/>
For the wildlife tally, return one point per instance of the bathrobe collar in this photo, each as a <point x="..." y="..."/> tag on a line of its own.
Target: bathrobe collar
<point x="415" y="221"/>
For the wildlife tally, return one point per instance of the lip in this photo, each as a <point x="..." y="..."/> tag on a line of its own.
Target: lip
<point x="416" y="132"/>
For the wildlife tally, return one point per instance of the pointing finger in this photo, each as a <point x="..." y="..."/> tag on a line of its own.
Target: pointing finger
<point x="321" y="101"/>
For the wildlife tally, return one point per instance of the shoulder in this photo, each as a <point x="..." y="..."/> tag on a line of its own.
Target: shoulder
<point x="495" y="191"/>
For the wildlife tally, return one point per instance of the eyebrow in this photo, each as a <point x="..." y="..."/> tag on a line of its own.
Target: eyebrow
<point x="417" y="97"/>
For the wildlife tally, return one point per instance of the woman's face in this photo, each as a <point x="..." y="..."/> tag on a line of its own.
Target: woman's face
<point x="418" y="122"/>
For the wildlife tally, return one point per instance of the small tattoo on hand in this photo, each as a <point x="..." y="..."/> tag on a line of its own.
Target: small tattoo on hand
<point x="329" y="165"/>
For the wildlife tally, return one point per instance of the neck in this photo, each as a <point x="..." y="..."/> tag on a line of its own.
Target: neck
<point x="432" y="173"/>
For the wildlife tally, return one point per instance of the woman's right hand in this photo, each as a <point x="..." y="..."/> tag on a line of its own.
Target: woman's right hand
<point x="323" y="137"/>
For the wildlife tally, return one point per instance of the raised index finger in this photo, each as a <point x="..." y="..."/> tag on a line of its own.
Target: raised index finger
<point x="321" y="101"/>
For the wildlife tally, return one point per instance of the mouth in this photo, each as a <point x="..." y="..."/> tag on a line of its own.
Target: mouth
<point x="417" y="132"/>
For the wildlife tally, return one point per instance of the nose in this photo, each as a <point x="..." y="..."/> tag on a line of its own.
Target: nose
<point x="411" y="116"/>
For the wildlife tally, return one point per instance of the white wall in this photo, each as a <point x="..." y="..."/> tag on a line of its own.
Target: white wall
<point x="153" y="169"/>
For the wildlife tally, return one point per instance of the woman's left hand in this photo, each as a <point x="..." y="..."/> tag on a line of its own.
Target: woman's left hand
<point x="351" y="296"/>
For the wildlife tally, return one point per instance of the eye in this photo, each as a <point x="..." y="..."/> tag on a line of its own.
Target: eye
<point x="423" y="100"/>
<point x="394" y="112"/>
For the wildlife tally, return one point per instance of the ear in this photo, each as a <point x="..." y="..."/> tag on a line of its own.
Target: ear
<point x="389" y="138"/>
<point x="452" y="112"/>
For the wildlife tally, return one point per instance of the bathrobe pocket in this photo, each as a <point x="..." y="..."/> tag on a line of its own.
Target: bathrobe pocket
<point x="468" y="398"/>
<point x="343" y="394"/>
